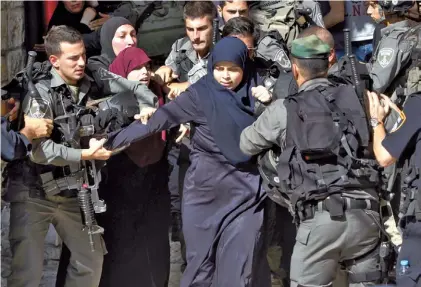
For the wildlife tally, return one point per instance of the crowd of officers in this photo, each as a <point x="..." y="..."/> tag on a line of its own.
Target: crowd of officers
<point x="343" y="139"/>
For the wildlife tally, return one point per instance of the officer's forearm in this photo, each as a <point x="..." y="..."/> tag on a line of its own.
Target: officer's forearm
<point x="253" y="142"/>
<point x="86" y="154"/>
<point x="382" y="155"/>
<point x="45" y="151"/>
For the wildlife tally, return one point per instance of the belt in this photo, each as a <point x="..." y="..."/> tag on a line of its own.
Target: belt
<point x="65" y="186"/>
<point x="308" y="210"/>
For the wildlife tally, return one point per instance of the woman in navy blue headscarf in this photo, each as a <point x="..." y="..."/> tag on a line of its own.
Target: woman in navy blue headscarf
<point x="222" y="210"/>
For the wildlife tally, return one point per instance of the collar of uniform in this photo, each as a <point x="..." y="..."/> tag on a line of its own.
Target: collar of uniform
<point x="309" y="85"/>
<point x="398" y="25"/>
<point x="85" y="83"/>
<point x="56" y="80"/>
<point x="85" y="86"/>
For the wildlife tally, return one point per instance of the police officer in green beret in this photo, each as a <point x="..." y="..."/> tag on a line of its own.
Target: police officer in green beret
<point x="318" y="140"/>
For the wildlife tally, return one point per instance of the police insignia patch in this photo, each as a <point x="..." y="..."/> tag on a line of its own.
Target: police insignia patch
<point x="400" y="121"/>
<point x="385" y="57"/>
<point x="106" y="75"/>
<point x="283" y="60"/>
<point x="39" y="108"/>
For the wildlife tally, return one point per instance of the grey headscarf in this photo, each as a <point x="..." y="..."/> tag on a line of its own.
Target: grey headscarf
<point x="107" y="34"/>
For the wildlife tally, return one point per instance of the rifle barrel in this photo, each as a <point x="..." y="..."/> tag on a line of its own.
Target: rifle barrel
<point x="30" y="63"/>
<point x="347" y="39"/>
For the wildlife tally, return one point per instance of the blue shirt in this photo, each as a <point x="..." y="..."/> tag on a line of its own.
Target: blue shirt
<point x="14" y="145"/>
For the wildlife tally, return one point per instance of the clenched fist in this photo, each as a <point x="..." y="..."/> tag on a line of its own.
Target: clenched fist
<point x="261" y="94"/>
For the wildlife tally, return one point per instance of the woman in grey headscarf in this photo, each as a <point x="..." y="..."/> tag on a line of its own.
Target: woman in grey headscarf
<point x="137" y="219"/>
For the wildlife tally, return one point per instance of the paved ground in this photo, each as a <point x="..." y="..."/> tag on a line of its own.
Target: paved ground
<point x="52" y="255"/>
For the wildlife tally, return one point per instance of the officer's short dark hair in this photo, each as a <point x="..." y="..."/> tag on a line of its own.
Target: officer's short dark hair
<point x="223" y="3"/>
<point x="58" y="35"/>
<point x="199" y="9"/>
<point x="312" y="68"/>
<point x="320" y="32"/>
<point x="239" y="26"/>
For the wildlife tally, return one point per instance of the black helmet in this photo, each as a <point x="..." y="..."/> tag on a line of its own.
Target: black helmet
<point x="396" y="6"/>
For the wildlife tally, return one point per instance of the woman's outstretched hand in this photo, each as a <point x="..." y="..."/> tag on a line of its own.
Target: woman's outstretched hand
<point x="145" y="114"/>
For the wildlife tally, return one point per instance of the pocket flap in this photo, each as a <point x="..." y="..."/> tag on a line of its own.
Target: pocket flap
<point x="303" y="234"/>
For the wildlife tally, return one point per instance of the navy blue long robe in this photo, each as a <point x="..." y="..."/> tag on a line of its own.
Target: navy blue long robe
<point x="222" y="210"/>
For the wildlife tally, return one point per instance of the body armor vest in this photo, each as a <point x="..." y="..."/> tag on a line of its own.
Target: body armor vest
<point x="183" y="63"/>
<point x="411" y="179"/>
<point x="326" y="145"/>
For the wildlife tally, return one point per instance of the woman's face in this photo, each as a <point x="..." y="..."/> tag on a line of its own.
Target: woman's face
<point x="74" y="6"/>
<point x="124" y="37"/>
<point x="228" y="74"/>
<point x="141" y="74"/>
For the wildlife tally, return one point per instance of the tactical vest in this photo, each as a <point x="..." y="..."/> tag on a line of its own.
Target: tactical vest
<point x="411" y="180"/>
<point x="74" y="125"/>
<point x="408" y="80"/>
<point x="326" y="142"/>
<point x="276" y="15"/>
<point x="271" y="48"/>
<point x="413" y="73"/>
<point x="184" y="64"/>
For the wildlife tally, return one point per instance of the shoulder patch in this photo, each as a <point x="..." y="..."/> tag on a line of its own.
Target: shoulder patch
<point x="385" y="56"/>
<point x="39" y="108"/>
<point x="283" y="60"/>
<point x="107" y="75"/>
<point x="399" y="122"/>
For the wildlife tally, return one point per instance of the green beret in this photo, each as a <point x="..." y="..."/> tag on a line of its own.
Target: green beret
<point x="310" y="47"/>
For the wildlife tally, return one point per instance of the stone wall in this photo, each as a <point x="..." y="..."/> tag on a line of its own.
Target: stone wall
<point x="12" y="39"/>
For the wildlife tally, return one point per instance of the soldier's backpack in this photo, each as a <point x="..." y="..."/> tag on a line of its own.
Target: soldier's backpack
<point x="325" y="148"/>
<point x="326" y="144"/>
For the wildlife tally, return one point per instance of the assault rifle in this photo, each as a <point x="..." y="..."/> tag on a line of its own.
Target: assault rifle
<point x="21" y="88"/>
<point x="386" y="250"/>
<point x="89" y="201"/>
<point x="358" y="85"/>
